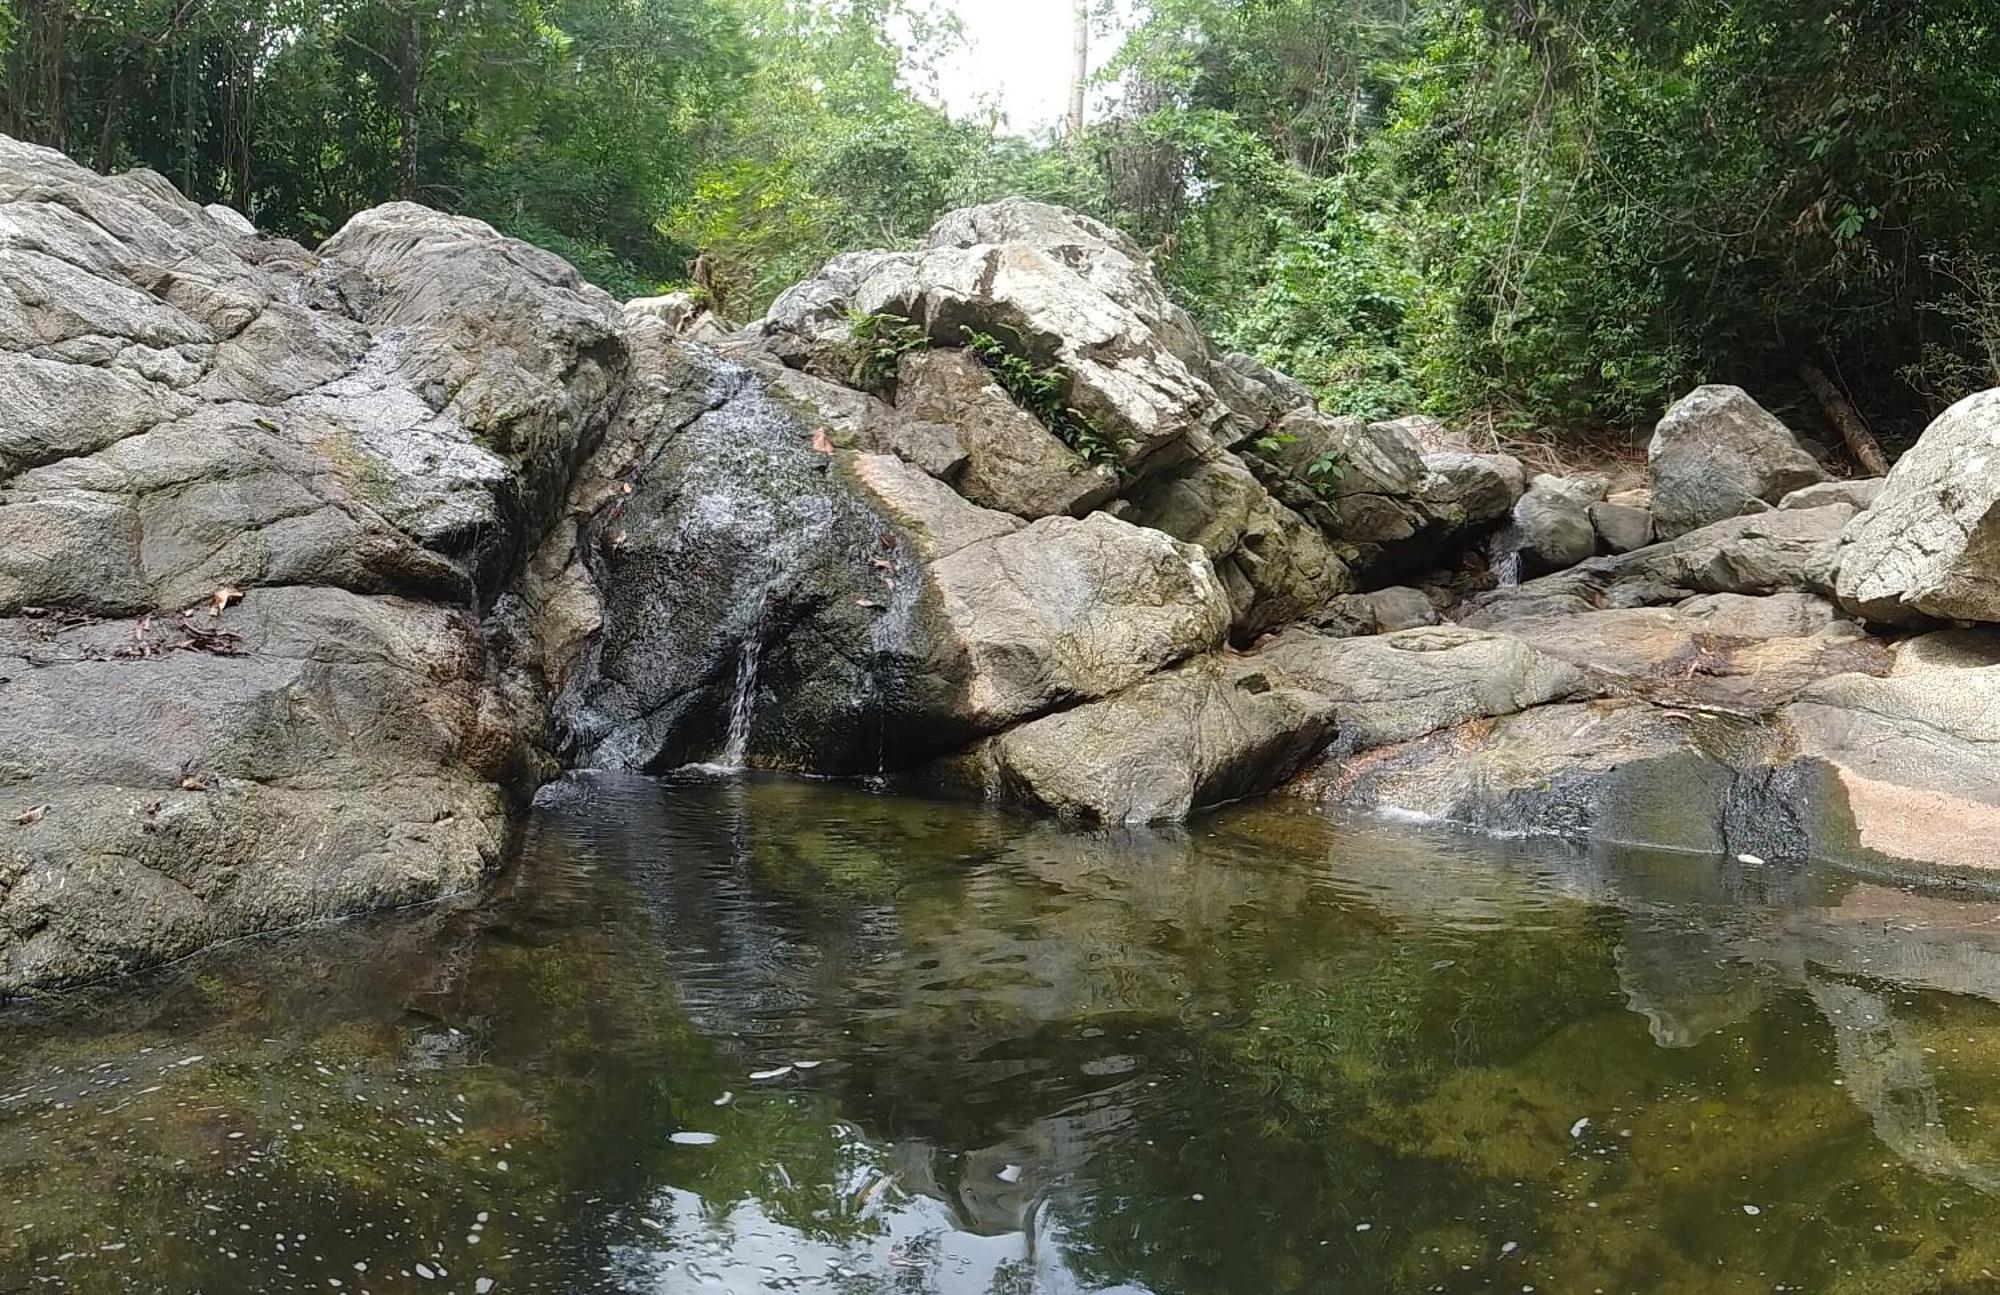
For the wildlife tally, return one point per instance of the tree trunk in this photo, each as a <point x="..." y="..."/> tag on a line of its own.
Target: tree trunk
<point x="1079" y="70"/>
<point x="1861" y="442"/>
<point x="410" y="56"/>
<point x="114" y="107"/>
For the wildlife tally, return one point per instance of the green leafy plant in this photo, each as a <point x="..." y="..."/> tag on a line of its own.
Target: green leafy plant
<point x="1043" y="391"/>
<point x="1325" y="473"/>
<point x="880" y="341"/>
<point x="1272" y="444"/>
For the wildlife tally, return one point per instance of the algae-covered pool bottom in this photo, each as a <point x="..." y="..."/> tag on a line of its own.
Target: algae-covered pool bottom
<point x="770" y="1036"/>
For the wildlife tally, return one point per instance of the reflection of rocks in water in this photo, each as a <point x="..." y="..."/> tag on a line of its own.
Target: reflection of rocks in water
<point x="999" y="1186"/>
<point x="1886" y="1075"/>
<point x="1685" y="981"/>
<point x="1049" y="1062"/>
<point x="1905" y="938"/>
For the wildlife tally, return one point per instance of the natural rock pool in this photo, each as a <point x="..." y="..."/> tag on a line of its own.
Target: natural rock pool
<point x="782" y="1036"/>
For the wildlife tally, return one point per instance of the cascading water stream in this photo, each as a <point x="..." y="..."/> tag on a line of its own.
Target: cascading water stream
<point x="743" y="703"/>
<point x="1503" y="553"/>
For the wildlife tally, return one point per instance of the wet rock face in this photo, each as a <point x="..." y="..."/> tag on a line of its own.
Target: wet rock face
<point x="734" y="575"/>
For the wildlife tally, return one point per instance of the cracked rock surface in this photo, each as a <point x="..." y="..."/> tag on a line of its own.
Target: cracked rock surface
<point x="252" y="502"/>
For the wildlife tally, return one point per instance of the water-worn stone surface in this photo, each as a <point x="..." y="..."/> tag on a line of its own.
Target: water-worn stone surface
<point x="1717" y="453"/>
<point x="315" y="565"/>
<point x="1929" y="545"/>
<point x="252" y="501"/>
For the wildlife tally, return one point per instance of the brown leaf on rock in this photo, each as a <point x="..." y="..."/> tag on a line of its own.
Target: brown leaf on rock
<point x="221" y="598"/>
<point x="821" y="442"/>
<point x="30" y="816"/>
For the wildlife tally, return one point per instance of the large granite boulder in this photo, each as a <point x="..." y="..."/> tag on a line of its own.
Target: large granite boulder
<point x="1213" y="730"/>
<point x="1121" y="376"/>
<point x="308" y="753"/>
<point x="1859" y="494"/>
<point x="1472" y="490"/>
<point x="1717" y="453"/>
<point x="252" y="504"/>
<point x="1681" y="734"/>
<point x="1064" y="611"/>
<point x="1070" y="295"/>
<point x="1903" y="772"/>
<point x="1621" y="528"/>
<point x="1729" y="653"/>
<point x="1252" y="396"/>
<point x="1617" y="772"/>
<point x="1929" y="545"/>
<point x="1400" y="686"/>
<point x="1226" y="726"/>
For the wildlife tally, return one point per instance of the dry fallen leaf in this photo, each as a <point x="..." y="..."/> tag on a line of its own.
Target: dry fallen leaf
<point x="221" y="599"/>
<point x="31" y="816"/>
<point x="821" y="442"/>
<point x="867" y="602"/>
<point x="884" y="564"/>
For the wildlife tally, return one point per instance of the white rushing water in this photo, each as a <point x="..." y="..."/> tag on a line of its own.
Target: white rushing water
<point x="743" y="704"/>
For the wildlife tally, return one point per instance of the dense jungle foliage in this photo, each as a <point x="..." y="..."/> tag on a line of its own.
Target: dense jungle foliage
<point x="1554" y="212"/>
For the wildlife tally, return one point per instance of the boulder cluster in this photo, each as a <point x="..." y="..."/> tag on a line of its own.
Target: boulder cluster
<point x="314" y="566"/>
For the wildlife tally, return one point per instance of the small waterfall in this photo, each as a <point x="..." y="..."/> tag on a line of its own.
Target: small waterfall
<point x="735" y="751"/>
<point x="1503" y="555"/>
<point x="743" y="706"/>
<point x="889" y="640"/>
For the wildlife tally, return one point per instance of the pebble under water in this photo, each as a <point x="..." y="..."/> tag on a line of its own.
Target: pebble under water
<point x="756" y="1035"/>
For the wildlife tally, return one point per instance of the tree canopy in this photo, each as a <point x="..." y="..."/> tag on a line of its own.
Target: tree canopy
<point x="1558" y="213"/>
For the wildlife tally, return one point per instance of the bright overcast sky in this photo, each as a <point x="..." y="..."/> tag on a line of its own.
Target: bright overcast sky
<point x="1018" y="57"/>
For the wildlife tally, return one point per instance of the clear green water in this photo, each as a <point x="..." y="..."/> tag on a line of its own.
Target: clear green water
<point x="1272" y="1054"/>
